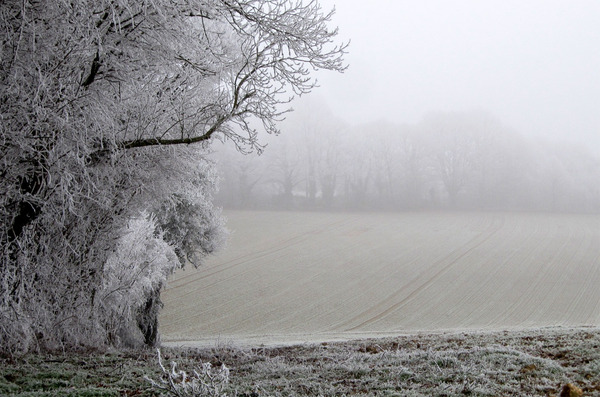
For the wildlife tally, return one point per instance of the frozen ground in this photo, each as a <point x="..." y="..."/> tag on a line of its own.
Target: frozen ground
<point x="296" y="277"/>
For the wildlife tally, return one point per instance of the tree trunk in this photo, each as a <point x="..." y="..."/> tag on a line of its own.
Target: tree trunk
<point x="147" y="318"/>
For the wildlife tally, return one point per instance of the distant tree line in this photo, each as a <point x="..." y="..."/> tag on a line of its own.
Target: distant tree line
<point x="466" y="160"/>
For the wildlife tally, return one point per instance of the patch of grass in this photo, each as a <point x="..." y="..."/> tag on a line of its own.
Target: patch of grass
<point x="90" y="374"/>
<point x="528" y="363"/>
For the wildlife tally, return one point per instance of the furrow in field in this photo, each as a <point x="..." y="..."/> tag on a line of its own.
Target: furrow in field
<point x="546" y="263"/>
<point x="303" y="284"/>
<point x="520" y="273"/>
<point x="257" y="257"/>
<point x="389" y="259"/>
<point x="530" y="308"/>
<point x="280" y="245"/>
<point x="577" y="293"/>
<point x="335" y="274"/>
<point x="393" y="303"/>
<point x="302" y="298"/>
<point x="464" y="293"/>
<point x="224" y="293"/>
<point x="516" y="271"/>
<point x="295" y="291"/>
<point x="456" y="297"/>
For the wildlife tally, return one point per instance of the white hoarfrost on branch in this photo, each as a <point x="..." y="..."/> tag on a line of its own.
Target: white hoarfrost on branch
<point x="203" y="381"/>
<point x="140" y="264"/>
<point x="99" y="101"/>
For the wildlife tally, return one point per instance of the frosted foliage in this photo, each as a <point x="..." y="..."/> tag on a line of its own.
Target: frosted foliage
<point x="139" y="266"/>
<point x="193" y="227"/>
<point x="182" y="204"/>
<point x="99" y="101"/>
<point x="202" y="381"/>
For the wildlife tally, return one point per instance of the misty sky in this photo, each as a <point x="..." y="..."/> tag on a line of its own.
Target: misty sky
<point x="533" y="64"/>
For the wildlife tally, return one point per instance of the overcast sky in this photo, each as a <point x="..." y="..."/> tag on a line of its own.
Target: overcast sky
<point x="534" y="64"/>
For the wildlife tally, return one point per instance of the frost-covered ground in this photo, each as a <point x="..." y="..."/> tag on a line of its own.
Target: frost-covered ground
<point x="523" y="289"/>
<point x="526" y="363"/>
<point x="295" y="277"/>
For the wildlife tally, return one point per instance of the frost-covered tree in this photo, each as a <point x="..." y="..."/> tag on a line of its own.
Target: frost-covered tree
<point x="99" y="101"/>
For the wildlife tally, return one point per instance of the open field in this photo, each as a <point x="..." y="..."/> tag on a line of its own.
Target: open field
<point x="294" y="277"/>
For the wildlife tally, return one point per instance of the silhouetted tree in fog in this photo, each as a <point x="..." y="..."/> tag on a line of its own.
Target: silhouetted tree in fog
<point x="466" y="160"/>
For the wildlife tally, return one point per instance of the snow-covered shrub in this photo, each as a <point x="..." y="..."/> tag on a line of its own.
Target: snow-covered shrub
<point x="203" y="381"/>
<point x="136" y="270"/>
<point x="71" y="274"/>
<point x="189" y="221"/>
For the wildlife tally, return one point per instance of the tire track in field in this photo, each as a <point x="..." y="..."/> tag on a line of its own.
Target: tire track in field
<point x="294" y="292"/>
<point x="544" y="262"/>
<point x="406" y="261"/>
<point x="592" y="318"/>
<point x="183" y="288"/>
<point x="456" y="255"/>
<point x="584" y="287"/>
<point x="492" y="267"/>
<point x="558" y="254"/>
<point x="574" y="259"/>
<point x="252" y="256"/>
<point x="515" y="250"/>
<point x="591" y="279"/>
<point x="526" y="270"/>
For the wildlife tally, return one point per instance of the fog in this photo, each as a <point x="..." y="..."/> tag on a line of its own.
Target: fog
<point x="453" y="105"/>
<point x="532" y="64"/>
